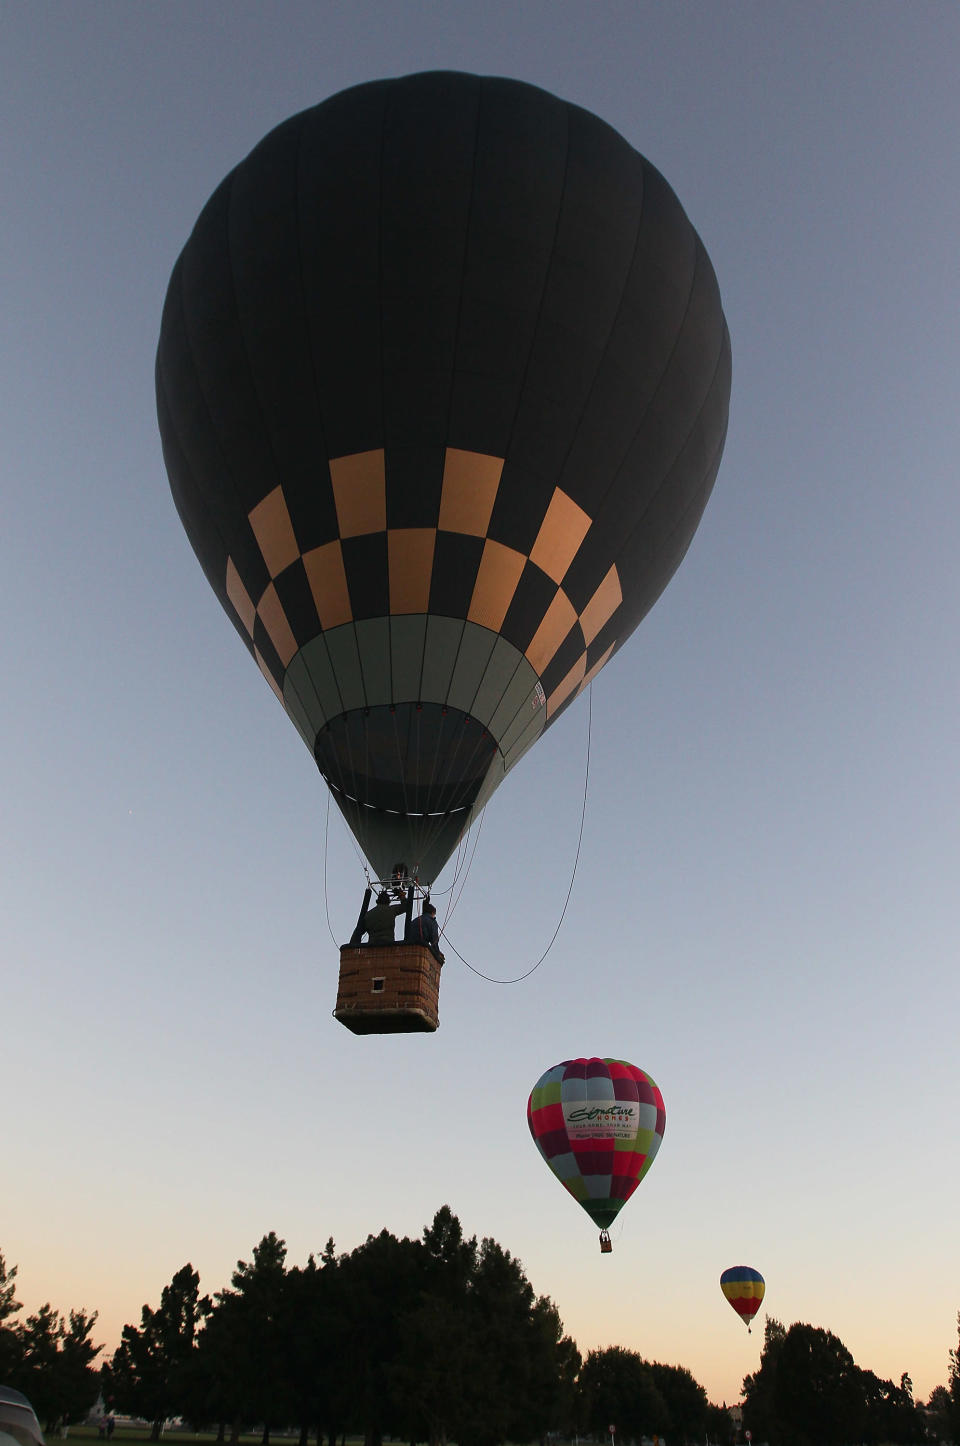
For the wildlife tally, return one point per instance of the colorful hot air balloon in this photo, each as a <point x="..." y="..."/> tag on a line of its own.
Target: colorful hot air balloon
<point x="598" y="1124"/>
<point x="743" y="1287"/>
<point x="442" y="384"/>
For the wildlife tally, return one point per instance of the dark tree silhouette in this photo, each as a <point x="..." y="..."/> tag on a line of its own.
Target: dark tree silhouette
<point x="617" y="1388"/>
<point x="154" y="1371"/>
<point x="10" y="1351"/>
<point x="242" y="1351"/>
<point x="809" y="1392"/>
<point x="56" y="1365"/>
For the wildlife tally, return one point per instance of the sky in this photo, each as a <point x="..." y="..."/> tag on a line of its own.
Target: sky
<point x="765" y="914"/>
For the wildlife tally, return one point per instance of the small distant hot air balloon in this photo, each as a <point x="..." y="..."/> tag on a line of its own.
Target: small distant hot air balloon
<point x="743" y="1287"/>
<point x="598" y="1124"/>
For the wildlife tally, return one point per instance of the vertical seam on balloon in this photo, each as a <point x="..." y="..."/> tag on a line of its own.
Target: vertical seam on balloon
<point x="610" y="334"/>
<point x="565" y="110"/>
<point x="224" y="470"/>
<point x="308" y="333"/>
<point x="513" y="718"/>
<point x="641" y="420"/>
<point x="507" y="686"/>
<point x="483" y="672"/>
<point x="401" y="756"/>
<point x="363" y="675"/>
<point x="388" y="95"/>
<point x="713" y="466"/>
<point x="354" y="789"/>
<point x="415" y="720"/>
<point x="390" y="641"/>
<point x="288" y="682"/>
<point x="308" y="329"/>
<point x="197" y="492"/>
<point x="455" y="754"/>
<point x="327" y="777"/>
<point x="476" y="750"/>
<point x="251" y="371"/>
<point x="463" y="258"/>
<point x="442" y="783"/>
<point x="436" y="749"/>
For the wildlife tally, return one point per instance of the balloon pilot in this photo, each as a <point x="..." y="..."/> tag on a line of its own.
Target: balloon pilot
<point x="378" y="921"/>
<point x="424" y="930"/>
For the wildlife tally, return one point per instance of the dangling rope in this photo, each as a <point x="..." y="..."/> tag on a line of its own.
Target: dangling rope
<point x="326" y="903"/>
<point x="461" y="857"/>
<point x="583" y="813"/>
<point x="362" y="860"/>
<point x="453" y="902"/>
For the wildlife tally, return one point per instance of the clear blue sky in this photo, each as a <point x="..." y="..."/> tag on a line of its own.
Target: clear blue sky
<point x="766" y="913"/>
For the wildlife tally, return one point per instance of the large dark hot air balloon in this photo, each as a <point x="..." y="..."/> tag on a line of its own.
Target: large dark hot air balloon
<point x="442" y="383"/>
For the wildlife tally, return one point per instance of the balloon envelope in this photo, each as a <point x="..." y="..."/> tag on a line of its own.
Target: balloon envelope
<point x="598" y="1123"/>
<point x="442" y="385"/>
<point x="743" y="1287"/>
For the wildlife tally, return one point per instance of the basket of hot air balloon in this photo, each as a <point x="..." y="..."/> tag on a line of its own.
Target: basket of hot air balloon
<point x="598" y="1123"/>
<point x="442" y="383"/>
<point x="388" y="990"/>
<point x="744" y="1288"/>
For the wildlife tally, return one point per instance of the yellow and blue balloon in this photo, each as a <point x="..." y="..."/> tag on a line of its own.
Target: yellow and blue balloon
<point x="743" y="1287"/>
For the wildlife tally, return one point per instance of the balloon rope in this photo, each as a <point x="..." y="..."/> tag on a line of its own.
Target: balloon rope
<point x="583" y="813"/>
<point x="462" y="844"/>
<point x="326" y="841"/>
<point x="453" y="902"/>
<point x="326" y="903"/>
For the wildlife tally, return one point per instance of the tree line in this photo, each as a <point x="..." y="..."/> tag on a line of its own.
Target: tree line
<point x="435" y="1340"/>
<point x="808" y="1389"/>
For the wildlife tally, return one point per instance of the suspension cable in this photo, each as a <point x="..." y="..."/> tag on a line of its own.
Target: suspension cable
<point x="326" y="901"/>
<point x="583" y="813"/>
<point x="462" y="859"/>
<point x="453" y="902"/>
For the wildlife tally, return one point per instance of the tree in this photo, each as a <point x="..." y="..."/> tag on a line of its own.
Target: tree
<point x="56" y="1366"/>
<point x="379" y="1285"/>
<point x="153" y="1370"/>
<point x="241" y="1350"/>
<point x="617" y="1387"/>
<point x="954" y="1386"/>
<point x="309" y="1333"/>
<point x="433" y="1369"/>
<point x="77" y="1376"/>
<point x="685" y="1399"/>
<point x="519" y="1355"/>
<point x="939" y="1411"/>
<point x="719" y="1428"/>
<point x="889" y="1411"/>
<point x="10" y="1351"/>
<point x="759" y="1408"/>
<point x="478" y="1357"/>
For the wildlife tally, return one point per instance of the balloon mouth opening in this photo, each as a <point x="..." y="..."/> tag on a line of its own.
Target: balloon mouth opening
<point x="397" y="812"/>
<point x="413" y="760"/>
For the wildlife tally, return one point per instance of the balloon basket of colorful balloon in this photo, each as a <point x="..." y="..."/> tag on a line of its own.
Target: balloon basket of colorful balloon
<point x="388" y="989"/>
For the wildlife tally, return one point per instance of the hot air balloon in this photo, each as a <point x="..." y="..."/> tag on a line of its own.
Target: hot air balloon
<point x="743" y="1287"/>
<point x="442" y="385"/>
<point x="598" y="1123"/>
